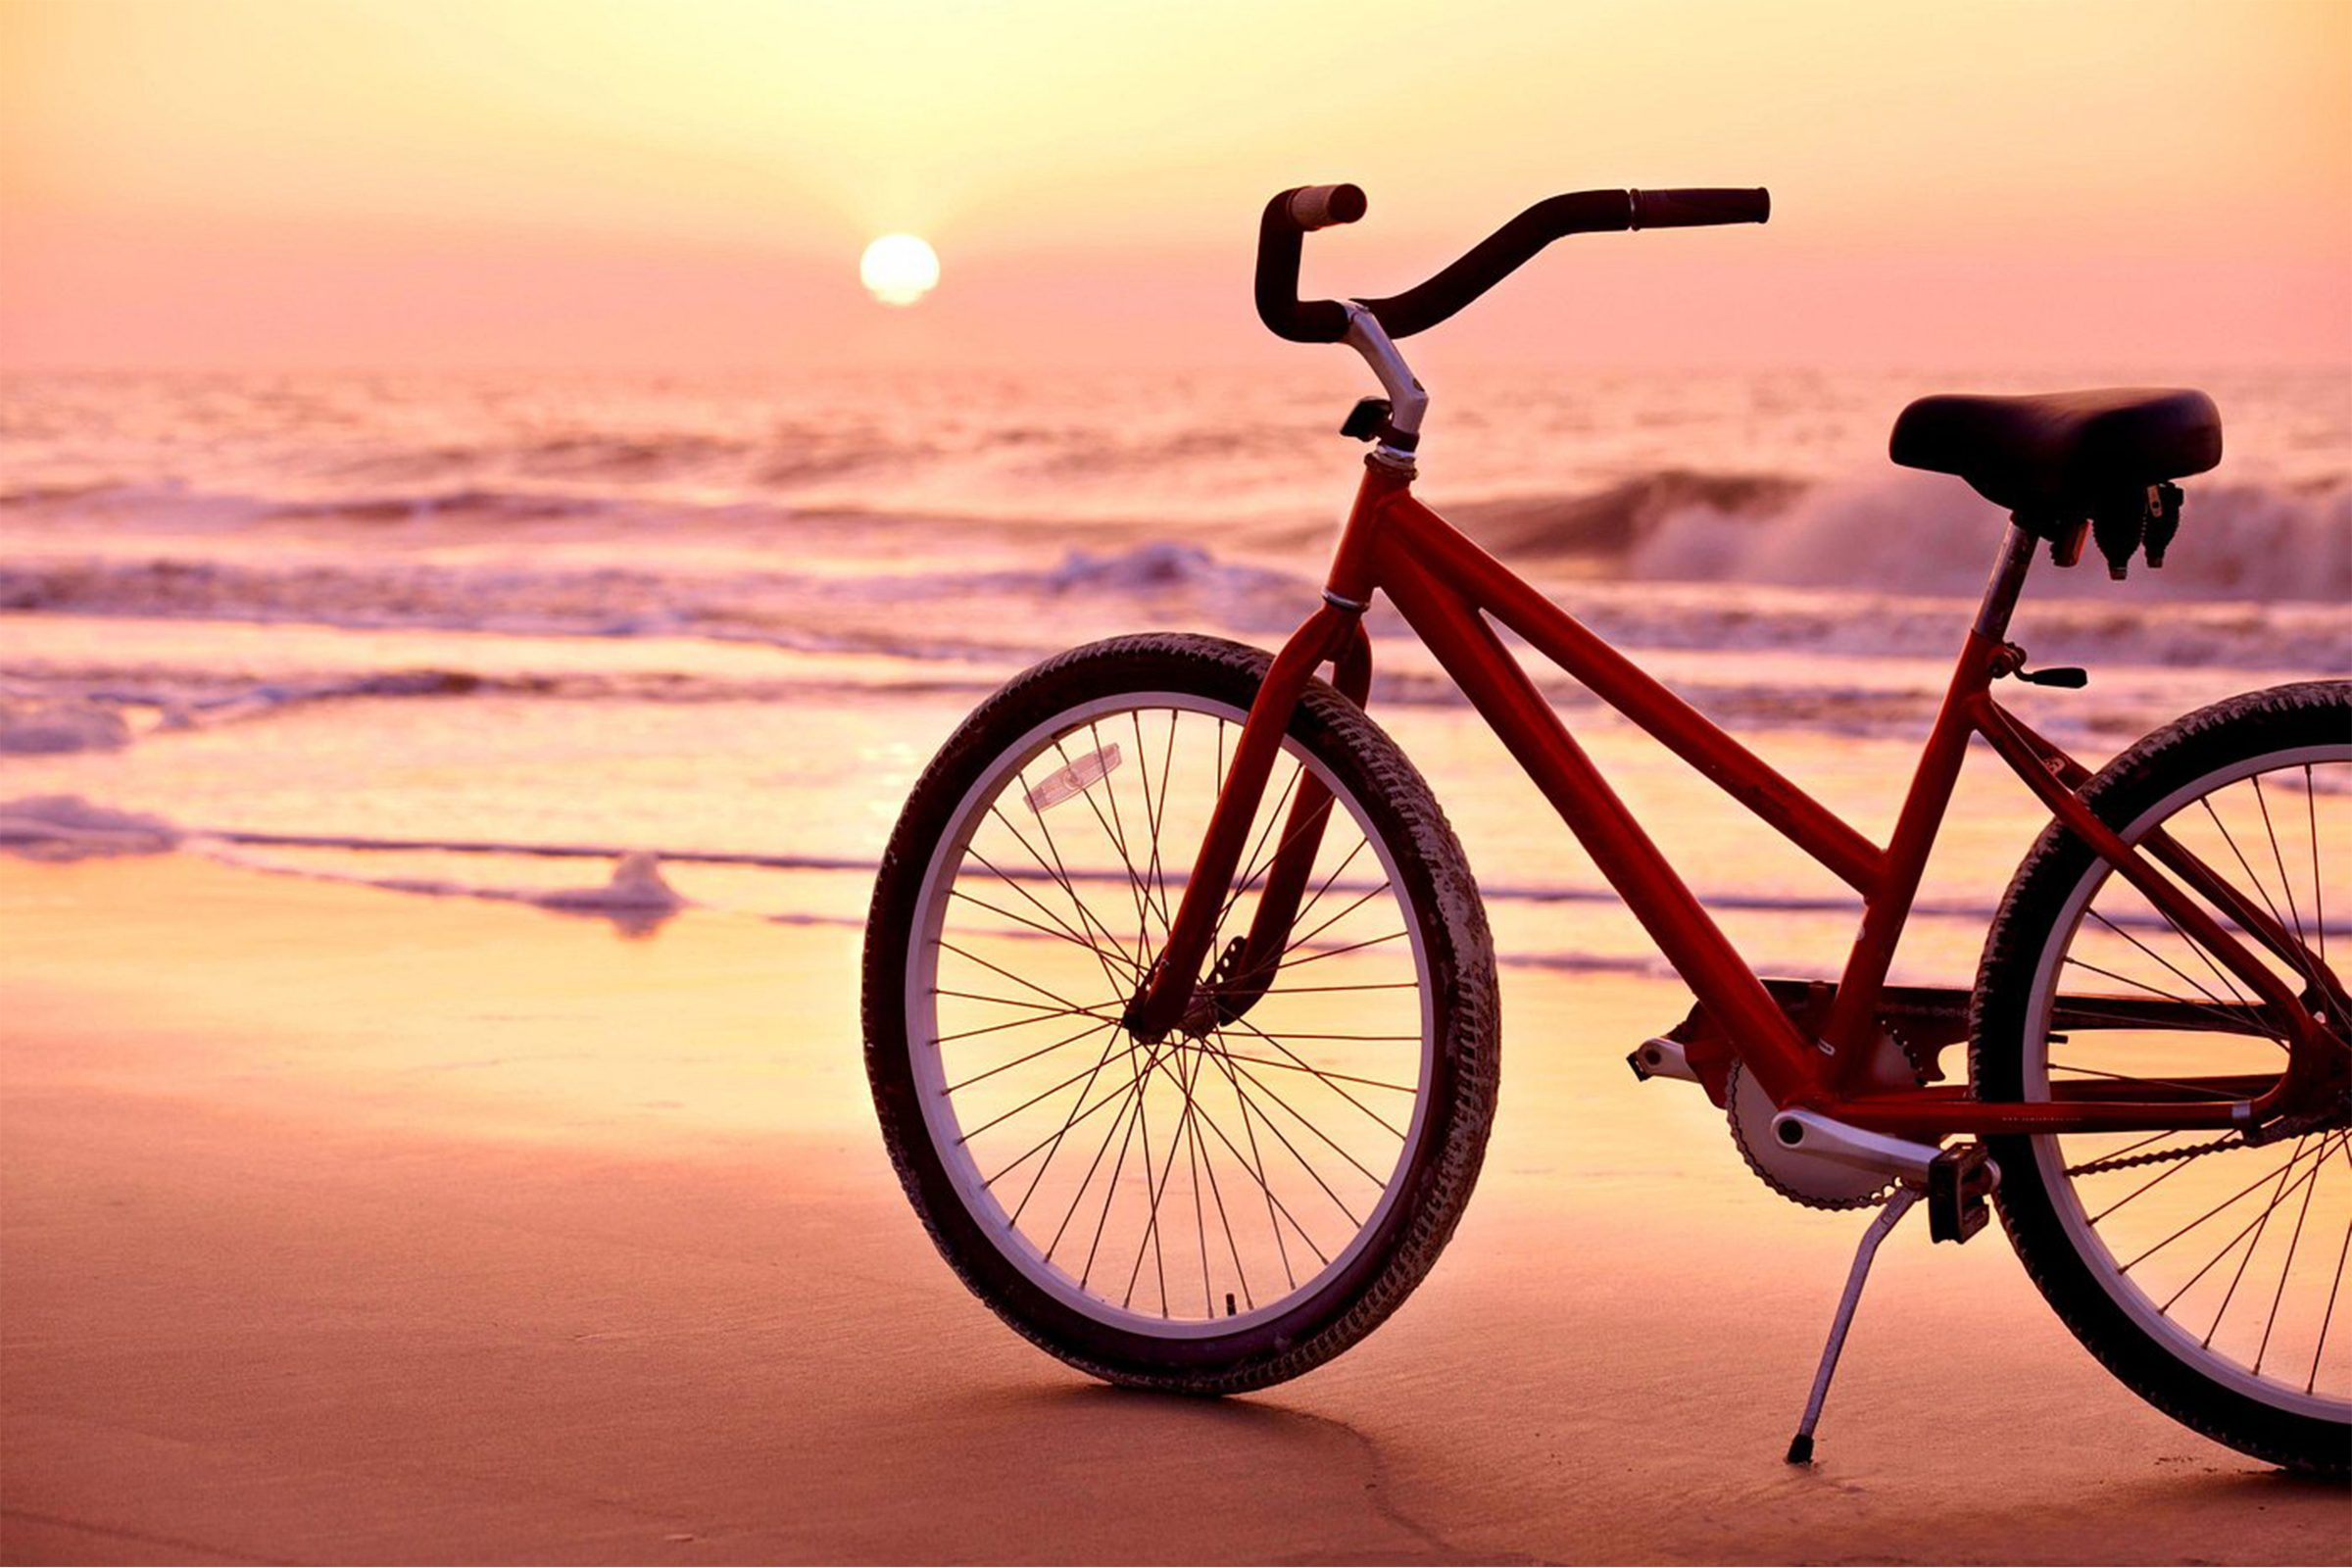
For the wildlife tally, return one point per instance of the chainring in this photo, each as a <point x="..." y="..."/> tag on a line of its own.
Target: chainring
<point x="1799" y="1177"/>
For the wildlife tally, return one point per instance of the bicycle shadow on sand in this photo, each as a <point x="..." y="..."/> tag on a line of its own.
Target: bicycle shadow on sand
<point x="1287" y="1485"/>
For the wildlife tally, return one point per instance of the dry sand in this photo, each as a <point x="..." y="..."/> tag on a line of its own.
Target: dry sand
<point x="340" y="1225"/>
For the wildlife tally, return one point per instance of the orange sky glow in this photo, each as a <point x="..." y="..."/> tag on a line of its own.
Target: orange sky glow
<point x="312" y="183"/>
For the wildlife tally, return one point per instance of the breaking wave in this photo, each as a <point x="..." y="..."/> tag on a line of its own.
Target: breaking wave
<point x="1910" y="533"/>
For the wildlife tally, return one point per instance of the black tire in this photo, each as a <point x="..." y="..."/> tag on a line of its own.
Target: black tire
<point x="2040" y="923"/>
<point x="1433" y="1175"/>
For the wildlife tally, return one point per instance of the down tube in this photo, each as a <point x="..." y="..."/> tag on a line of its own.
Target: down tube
<point x="1786" y="1064"/>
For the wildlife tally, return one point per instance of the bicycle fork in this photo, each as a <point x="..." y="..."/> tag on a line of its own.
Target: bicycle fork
<point x="1175" y="994"/>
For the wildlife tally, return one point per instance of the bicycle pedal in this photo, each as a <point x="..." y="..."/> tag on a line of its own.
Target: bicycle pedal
<point x="1662" y="1058"/>
<point x="1959" y="1181"/>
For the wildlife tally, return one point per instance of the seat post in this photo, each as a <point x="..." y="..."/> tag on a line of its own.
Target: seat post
<point x="2008" y="579"/>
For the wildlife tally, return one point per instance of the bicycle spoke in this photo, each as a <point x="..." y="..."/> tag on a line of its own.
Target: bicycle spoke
<point x="1153" y="869"/>
<point x="1337" y="918"/>
<point x="1087" y="1033"/>
<point x="1217" y="1194"/>
<point x="1189" y="1135"/>
<point x="2170" y="1171"/>
<point x="1116" y="831"/>
<point x="998" y="1120"/>
<point x="2262" y="1225"/>
<point x="1060" y="879"/>
<point x="1333" y="953"/>
<point x="2212" y="967"/>
<point x="2267" y="903"/>
<point x="1142" y="1116"/>
<point x="1052" y="1145"/>
<point x="1086" y="913"/>
<point x="1063" y="933"/>
<point x="2224" y="1206"/>
<point x="1002" y="1001"/>
<point x="1274" y="1205"/>
<point x="1319" y="1133"/>
<point x="2110" y="974"/>
<point x="2125" y="1152"/>
<point x="1060" y="875"/>
<point x="1253" y="866"/>
<point x="1124" y="1096"/>
<point x="1111" y="1189"/>
<point x="2254" y="1225"/>
<point x="1023" y="1023"/>
<point x="1337" y="871"/>
<point x="1301" y="1034"/>
<point x="1192" y="1148"/>
<point x="2128" y="1022"/>
<point x="2137" y="1078"/>
<point x="1323" y="1073"/>
<point x="2285" y="1268"/>
<point x="1329" y="1081"/>
<point x="2311" y="813"/>
<point x="2327" y="1319"/>
<point x="2286" y="884"/>
<point x="1257" y="1168"/>
<point x="2151" y="952"/>
<point x="1009" y="975"/>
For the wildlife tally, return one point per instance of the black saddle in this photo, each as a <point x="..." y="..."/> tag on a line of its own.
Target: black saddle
<point x="2065" y="456"/>
<point x="2070" y="458"/>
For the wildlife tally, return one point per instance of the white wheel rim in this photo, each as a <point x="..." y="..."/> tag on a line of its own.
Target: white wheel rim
<point x="939" y="1112"/>
<point x="2065" y="1197"/>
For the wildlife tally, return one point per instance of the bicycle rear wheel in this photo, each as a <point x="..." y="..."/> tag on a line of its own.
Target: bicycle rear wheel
<point x="2206" y="1272"/>
<point x="1234" y="1205"/>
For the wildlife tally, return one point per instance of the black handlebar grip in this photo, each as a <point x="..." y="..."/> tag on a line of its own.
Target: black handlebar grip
<point x="1315" y="207"/>
<point x="1279" y="306"/>
<point x="1693" y="209"/>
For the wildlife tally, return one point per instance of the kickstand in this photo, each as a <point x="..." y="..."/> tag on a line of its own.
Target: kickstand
<point x="1800" y="1447"/>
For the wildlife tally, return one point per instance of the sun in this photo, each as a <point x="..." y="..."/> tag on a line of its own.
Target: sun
<point x="899" y="269"/>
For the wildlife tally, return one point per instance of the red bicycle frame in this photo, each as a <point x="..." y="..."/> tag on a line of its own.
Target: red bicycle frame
<point x="1449" y="591"/>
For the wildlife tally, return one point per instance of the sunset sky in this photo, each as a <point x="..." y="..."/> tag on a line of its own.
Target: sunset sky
<point x="267" y="183"/>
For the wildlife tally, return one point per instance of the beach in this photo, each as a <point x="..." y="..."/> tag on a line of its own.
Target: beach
<point x="361" y="1227"/>
<point x="437" y="822"/>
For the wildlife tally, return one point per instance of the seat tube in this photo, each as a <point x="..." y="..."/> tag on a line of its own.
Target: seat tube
<point x="1886" y="908"/>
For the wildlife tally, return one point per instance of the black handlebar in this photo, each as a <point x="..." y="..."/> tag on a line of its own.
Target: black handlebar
<point x="1486" y="264"/>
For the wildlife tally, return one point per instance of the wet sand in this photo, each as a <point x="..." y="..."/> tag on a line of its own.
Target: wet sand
<point x="338" y="1225"/>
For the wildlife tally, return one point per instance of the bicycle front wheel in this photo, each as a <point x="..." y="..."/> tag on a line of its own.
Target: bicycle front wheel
<point x="2205" y="1271"/>
<point x="1239" y="1201"/>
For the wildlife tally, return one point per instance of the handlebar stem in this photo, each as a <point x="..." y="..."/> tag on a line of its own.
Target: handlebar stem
<point x="1408" y="400"/>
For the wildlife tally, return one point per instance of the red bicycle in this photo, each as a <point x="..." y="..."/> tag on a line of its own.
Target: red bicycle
<point x="1181" y="1009"/>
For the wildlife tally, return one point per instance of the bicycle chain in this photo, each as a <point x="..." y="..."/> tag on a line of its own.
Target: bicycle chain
<point x="2127" y="1162"/>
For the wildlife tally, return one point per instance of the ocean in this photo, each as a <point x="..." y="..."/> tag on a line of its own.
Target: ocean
<point x="481" y="636"/>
